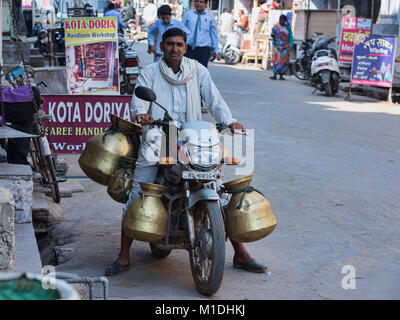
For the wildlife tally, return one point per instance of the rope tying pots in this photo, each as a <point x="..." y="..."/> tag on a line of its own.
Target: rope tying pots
<point x="248" y="215"/>
<point x="120" y="184"/>
<point x="146" y="218"/>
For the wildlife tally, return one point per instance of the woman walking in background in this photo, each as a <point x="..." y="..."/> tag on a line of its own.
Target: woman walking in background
<point x="282" y="39"/>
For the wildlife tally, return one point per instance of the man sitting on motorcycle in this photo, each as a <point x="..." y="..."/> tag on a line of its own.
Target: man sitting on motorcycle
<point x="180" y="83"/>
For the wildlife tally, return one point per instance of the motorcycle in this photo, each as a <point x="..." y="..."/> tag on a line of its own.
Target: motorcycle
<point x="131" y="29"/>
<point x="301" y="67"/>
<point x="193" y="198"/>
<point x="325" y="69"/>
<point x="229" y="47"/>
<point x="128" y="65"/>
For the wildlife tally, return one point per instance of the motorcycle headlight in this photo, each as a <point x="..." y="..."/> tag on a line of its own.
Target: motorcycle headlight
<point x="203" y="156"/>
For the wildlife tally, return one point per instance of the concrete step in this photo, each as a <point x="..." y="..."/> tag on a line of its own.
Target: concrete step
<point x="67" y="188"/>
<point x="37" y="60"/>
<point x="35" y="52"/>
<point x="27" y="257"/>
<point x="45" y="213"/>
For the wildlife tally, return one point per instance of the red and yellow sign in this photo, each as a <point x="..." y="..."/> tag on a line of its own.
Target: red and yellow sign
<point x="352" y="27"/>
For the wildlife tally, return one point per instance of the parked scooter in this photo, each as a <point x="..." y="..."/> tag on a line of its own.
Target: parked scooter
<point x="325" y="69"/>
<point x="128" y="65"/>
<point x="229" y="47"/>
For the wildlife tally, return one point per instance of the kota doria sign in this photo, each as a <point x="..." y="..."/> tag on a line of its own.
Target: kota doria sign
<point x="75" y="119"/>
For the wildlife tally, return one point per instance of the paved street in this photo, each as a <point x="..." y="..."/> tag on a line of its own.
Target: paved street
<point x="330" y="169"/>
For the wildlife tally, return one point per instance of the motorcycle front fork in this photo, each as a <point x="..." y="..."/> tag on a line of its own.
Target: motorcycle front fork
<point x="189" y="218"/>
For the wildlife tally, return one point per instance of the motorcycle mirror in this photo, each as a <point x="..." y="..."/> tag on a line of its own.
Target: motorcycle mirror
<point x="145" y="94"/>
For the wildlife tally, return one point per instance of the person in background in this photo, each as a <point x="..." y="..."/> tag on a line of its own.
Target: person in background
<point x="159" y="27"/>
<point x="112" y="12"/>
<point x="203" y="33"/>
<point x="282" y="40"/>
<point x="226" y="22"/>
<point x="243" y="22"/>
<point x="128" y="12"/>
<point x="106" y="7"/>
<point x="276" y="4"/>
<point x="261" y="15"/>
<point x="149" y="13"/>
<point x="118" y="4"/>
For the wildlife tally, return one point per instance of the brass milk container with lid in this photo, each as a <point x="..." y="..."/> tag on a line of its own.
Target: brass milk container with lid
<point x="146" y="218"/>
<point x="248" y="214"/>
<point x="103" y="153"/>
<point x="120" y="183"/>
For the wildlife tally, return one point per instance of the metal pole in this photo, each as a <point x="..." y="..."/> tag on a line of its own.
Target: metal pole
<point x="219" y="9"/>
<point x="1" y="34"/>
<point x="308" y="19"/>
<point x="372" y="11"/>
<point x="338" y="12"/>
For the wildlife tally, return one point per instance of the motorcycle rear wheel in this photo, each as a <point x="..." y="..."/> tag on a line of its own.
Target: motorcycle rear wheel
<point x="207" y="258"/>
<point x="328" y="89"/>
<point x="299" y="72"/>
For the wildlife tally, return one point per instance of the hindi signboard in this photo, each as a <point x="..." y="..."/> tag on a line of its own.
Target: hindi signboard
<point x="75" y="119"/>
<point x="352" y="27"/>
<point x="91" y="50"/>
<point x="373" y="61"/>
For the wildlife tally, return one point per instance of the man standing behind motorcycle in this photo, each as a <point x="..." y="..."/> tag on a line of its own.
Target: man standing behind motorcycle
<point x="180" y="83"/>
<point x="159" y="27"/>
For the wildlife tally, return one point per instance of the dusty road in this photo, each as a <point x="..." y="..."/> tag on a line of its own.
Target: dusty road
<point x="331" y="171"/>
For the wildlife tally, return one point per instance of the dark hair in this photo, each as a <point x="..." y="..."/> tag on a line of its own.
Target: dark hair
<point x="284" y="17"/>
<point x="111" y="6"/>
<point x="174" y="32"/>
<point x="163" y="10"/>
<point x="225" y="10"/>
<point x="260" y="2"/>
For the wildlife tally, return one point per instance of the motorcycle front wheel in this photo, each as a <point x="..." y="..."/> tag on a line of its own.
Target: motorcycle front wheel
<point x="207" y="258"/>
<point x="299" y="71"/>
<point x="231" y="57"/>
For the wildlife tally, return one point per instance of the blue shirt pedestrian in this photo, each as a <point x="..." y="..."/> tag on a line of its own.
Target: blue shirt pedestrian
<point x="115" y="13"/>
<point x="207" y="33"/>
<point x="160" y="27"/>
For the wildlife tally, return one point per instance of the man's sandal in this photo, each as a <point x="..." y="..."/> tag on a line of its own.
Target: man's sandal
<point x="116" y="268"/>
<point x="251" y="266"/>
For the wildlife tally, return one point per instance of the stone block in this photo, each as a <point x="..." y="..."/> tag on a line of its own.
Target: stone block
<point x="45" y="212"/>
<point x="18" y="180"/>
<point x="7" y="231"/>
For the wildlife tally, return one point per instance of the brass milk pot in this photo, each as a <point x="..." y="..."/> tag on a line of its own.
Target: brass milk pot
<point x="248" y="215"/>
<point x="146" y="218"/>
<point x="120" y="184"/>
<point x="103" y="152"/>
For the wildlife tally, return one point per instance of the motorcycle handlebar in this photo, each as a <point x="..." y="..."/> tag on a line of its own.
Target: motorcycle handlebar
<point x="220" y="126"/>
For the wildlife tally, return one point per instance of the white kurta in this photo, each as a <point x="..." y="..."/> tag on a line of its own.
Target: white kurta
<point x="173" y="98"/>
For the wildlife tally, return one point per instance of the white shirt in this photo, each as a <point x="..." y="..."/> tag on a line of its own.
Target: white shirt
<point x="173" y="98"/>
<point x="150" y="13"/>
<point x="226" y="23"/>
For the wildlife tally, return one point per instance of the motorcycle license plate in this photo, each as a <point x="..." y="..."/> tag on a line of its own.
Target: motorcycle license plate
<point x="199" y="175"/>
<point x="132" y="70"/>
